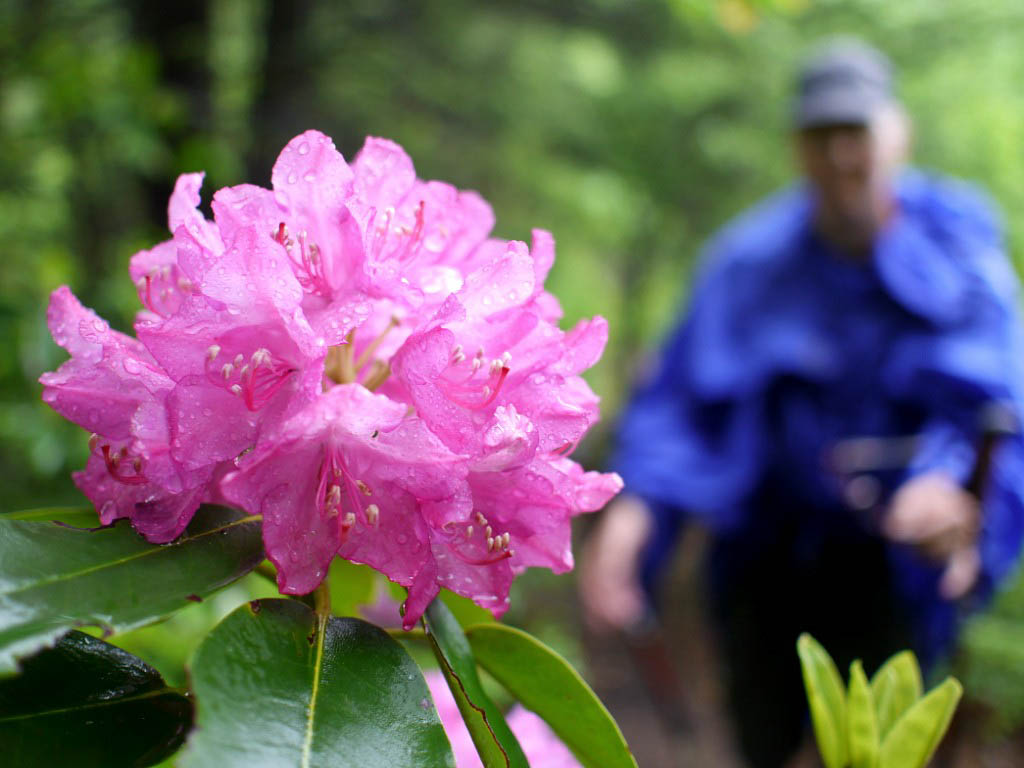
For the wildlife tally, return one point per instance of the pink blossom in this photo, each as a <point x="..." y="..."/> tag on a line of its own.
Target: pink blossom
<point x="542" y="747"/>
<point x="113" y="387"/>
<point x="350" y="355"/>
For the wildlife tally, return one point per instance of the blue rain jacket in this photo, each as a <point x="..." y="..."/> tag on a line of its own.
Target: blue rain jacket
<point x="787" y="348"/>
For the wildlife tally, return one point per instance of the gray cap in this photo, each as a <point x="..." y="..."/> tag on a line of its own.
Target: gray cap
<point x="843" y="83"/>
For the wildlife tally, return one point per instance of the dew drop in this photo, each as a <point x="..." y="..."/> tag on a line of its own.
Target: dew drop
<point x="131" y="366"/>
<point x="292" y="178"/>
<point x="310" y="177"/>
<point x="303" y="148"/>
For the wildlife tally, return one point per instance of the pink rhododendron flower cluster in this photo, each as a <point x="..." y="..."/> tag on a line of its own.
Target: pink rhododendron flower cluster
<point x="351" y="357"/>
<point x="543" y="749"/>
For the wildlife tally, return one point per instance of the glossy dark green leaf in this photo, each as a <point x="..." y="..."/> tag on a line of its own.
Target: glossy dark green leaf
<point x="545" y="683"/>
<point x="826" y="698"/>
<point x="88" y="703"/>
<point x="862" y="721"/>
<point x="495" y="743"/>
<point x="54" y="577"/>
<point x="895" y="687"/>
<point x="278" y="686"/>
<point x="913" y="739"/>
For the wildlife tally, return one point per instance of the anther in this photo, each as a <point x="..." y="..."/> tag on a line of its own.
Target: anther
<point x="363" y="488"/>
<point x="469" y="531"/>
<point x="227" y="370"/>
<point x="238" y="359"/>
<point x="236" y="390"/>
<point x="94" y="440"/>
<point x="349" y="521"/>
<point x="481" y="519"/>
<point x="372" y="513"/>
<point x="212" y="351"/>
<point x="488" y="532"/>
<point x="504" y="540"/>
<point x="490" y="544"/>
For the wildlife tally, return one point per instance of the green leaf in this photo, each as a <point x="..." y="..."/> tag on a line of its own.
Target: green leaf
<point x="54" y="577"/>
<point x="278" y="685"/>
<point x="495" y="743"/>
<point x="88" y="703"/>
<point x="545" y="683"/>
<point x="827" y="700"/>
<point x="916" y="735"/>
<point x="895" y="687"/>
<point x="863" y="725"/>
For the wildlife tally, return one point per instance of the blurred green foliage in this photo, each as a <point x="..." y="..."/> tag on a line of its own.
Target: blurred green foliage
<point x="630" y="129"/>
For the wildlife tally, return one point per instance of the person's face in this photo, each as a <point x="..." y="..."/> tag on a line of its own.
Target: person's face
<point x="851" y="173"/>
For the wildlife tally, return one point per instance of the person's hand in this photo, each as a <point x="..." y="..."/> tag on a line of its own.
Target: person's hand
<point x="941" y="520"/>
<point x="609" y="580"/>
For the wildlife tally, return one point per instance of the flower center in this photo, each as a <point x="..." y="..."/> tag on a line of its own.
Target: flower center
<point x="163" y="290"/>
<point x="474" y="383"/>
<point x="340" y="494"/>
<point x="343" y="367"/>
<point x="395" y="241"/>
<point x="478" y="544"/>
<point x="255" y="379"/>
<point x="307" y="262"/>
<point x="121" y="464"/>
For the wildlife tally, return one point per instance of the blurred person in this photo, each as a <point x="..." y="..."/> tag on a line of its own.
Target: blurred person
<point x="869" y="301"/>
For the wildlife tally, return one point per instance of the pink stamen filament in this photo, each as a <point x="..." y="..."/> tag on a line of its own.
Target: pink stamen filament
<point x="463" y="392"/>
<point x="310" y="267"/>
<point x="330" y="502"/>
<point x="116" y="461"/>
<point x="256" y="382"/>
<point x="160" y="292"/>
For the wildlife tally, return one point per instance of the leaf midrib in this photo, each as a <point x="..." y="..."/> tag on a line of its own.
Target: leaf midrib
<point x="94" y="704"/>
<point x="307" y="745"/>
<point x="135" y="556"/>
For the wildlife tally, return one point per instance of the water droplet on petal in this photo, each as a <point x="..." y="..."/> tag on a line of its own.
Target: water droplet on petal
<point x="303" y="148"/>
<point x="310" y="177"/>
<point x="292" y="178"/>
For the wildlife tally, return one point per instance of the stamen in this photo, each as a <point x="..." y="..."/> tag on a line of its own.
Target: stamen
<point x="212" y="352"/>
<point x="116" y="462"/>
<point x="394" y="322"/>
<point x="378" y="375"/>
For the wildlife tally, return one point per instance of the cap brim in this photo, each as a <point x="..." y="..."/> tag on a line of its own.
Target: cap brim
<point x="846" y="105"/>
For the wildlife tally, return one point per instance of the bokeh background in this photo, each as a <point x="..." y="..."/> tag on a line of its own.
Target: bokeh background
<point x="631" y="129"/>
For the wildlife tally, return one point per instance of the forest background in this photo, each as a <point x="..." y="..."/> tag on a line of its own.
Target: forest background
<point x="632" y="129"/>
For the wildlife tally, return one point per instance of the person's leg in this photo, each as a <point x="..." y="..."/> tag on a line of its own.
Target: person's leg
<point x="763" y="599"/>
<point x="754" y="620"/>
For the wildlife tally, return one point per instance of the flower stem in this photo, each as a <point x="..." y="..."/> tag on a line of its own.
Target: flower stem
<point x="267" y="571"/>
<point x="322" y="599"/>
